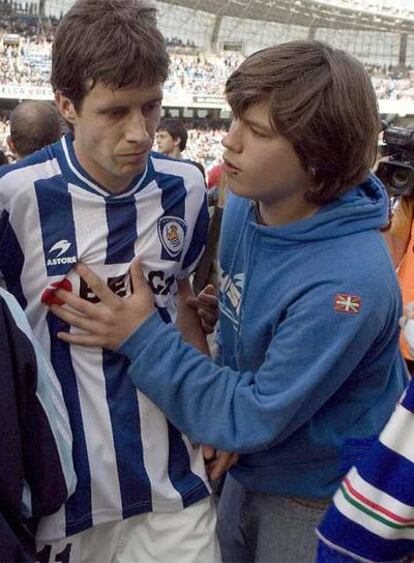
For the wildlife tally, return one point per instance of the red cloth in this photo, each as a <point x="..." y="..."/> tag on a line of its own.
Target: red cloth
<point x="214" y="176"/>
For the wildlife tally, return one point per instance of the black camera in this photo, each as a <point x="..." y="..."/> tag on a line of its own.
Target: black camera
<point x="396" y="167"/>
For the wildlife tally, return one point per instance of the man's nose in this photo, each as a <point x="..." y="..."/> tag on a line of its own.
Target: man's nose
<point x="136" y="128"/>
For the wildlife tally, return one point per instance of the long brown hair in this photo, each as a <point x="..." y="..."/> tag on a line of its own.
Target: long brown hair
<point x="322" y="100"/>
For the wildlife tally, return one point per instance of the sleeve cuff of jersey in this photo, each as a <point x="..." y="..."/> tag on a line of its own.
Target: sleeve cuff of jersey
<point x="151" y="329"/>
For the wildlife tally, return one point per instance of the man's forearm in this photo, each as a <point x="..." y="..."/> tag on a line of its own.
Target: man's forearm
<point x="188" y="321"/>
<point x="396" y="246"/>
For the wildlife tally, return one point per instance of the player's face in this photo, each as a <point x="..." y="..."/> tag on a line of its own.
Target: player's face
<point x="260" y="163"/>
<point x="165" y="142"/>
<point x="114" y="131"/>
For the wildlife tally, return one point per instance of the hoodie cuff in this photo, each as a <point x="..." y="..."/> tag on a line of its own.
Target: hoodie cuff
<point x="151" y="329"/>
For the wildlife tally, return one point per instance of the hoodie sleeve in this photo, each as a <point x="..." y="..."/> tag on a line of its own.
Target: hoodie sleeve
<point x="313" y="351"/>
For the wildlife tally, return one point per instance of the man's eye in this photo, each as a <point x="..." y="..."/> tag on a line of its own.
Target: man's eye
<point x="148" y="108"/>
<point x="116" y="112"/>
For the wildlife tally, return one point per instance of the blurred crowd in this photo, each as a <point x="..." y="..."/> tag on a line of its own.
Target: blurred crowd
<point x="200" y="74"/>
<point x="26" y="60"/>
<point x="392" y="83"/>
<point x="204" y="145"/>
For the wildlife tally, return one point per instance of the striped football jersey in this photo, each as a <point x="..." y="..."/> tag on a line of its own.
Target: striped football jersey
<point x="372" y="514"/>
<point x="128" y="457"/>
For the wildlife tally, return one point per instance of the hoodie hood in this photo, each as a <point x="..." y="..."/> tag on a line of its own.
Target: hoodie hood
<point x="363" y="208"/>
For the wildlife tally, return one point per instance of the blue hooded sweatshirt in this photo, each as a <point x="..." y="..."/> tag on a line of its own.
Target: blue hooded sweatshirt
<point x="310" y="367"/>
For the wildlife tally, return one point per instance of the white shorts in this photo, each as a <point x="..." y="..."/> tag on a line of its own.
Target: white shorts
<point x="185" y="536"/>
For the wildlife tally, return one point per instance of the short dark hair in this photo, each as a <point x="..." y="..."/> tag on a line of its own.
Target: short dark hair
<point x="322" y="100"/>
<point x="112" y="42"/>
<point x="33" y="125"/>
<point x="176" y="129"/>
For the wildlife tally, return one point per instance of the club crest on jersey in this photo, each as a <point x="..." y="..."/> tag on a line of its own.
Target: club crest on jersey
<point x="172" y="232"/>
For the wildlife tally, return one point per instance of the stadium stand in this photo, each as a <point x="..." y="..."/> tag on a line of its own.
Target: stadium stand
<point x="207" y="40"/>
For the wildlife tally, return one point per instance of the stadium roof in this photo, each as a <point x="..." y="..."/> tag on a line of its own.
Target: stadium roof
<point x="378" y="15"/>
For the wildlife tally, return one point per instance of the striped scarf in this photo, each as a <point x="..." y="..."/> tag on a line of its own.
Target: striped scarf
<point x="372" y="515"/>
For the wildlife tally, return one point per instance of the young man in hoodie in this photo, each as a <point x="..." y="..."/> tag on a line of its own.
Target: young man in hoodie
<point x="309" y="369"/>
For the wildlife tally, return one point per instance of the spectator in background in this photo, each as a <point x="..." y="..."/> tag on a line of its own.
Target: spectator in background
<point x="217" y="186"/>
<point x="33" y="125"/>
<point x="214" y="176"/>
<point x="172" y="140"/>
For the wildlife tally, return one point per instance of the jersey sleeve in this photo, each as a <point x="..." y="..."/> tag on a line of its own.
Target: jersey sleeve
<point x="198" y="241"/>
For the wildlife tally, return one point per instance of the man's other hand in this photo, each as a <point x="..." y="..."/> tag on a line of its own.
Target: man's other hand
<point x="217" y="462"/>
<point x="206" y="305"/>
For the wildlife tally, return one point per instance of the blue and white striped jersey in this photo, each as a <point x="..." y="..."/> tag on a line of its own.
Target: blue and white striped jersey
<point x="128" y="458"/>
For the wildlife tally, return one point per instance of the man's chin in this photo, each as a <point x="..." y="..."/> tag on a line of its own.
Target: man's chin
<point x="134" y="168"/>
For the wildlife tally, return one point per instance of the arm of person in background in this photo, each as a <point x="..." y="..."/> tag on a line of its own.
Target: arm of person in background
<point x="50" y="477"/>
<point x="36" y="469"/>
<point x="396" y="246"/>
<point x="398" y="235"/>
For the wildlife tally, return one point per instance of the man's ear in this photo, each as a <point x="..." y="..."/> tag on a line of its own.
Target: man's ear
<point x="177" y="141"/>
<point x="65" y="107"/>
